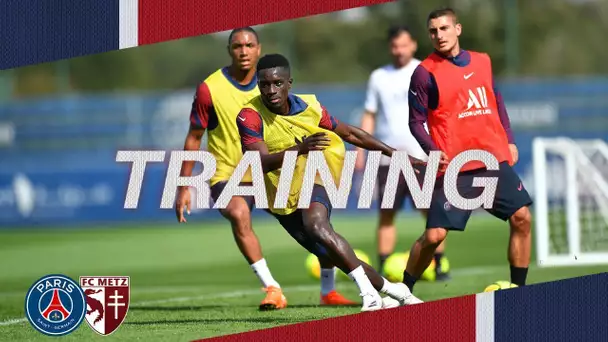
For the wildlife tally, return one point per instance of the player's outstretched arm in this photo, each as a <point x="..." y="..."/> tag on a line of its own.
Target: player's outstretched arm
<point x="360" y="138"/>
<point x="353" y="135"/>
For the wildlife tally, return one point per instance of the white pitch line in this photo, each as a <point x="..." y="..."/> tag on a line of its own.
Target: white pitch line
<point x="150" y="289"/>
<point x="457" y="272"/>
<point x="13" y="321"/>
<point x="231" y="294"/>
<point x="469" y="271"/>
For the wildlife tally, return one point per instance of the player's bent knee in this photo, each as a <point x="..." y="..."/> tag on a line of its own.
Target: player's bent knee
<point x="237" y="211"/>
<point x="315" y="216"/>
<point x="522" y="220"/>
<point x="434" y="237"/>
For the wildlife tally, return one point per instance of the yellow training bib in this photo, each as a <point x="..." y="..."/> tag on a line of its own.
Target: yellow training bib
<point x="280" y="133"/>
<point x="224" y="141"/>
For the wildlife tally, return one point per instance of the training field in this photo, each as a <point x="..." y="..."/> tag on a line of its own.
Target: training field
<point x="190" y="281"/>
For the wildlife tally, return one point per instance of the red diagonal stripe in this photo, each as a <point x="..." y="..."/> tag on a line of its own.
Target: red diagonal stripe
<point x="161" y="20"/>
<point x="446" y="320"/>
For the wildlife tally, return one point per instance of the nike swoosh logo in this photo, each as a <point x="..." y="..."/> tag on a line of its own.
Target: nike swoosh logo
<point x="413" y="92"/>
<point x="240" y="118"/>
<point x="521" y="186"/>
<point x="466" y="77"/>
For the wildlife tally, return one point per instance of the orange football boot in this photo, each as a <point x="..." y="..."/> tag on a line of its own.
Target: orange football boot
<point x="334" y="299"/>
<point x="274" y="300"/>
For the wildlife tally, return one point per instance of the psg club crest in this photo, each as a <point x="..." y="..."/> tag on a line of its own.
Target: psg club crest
<point x="55" y="305"/>
<point x="107" y="302"/>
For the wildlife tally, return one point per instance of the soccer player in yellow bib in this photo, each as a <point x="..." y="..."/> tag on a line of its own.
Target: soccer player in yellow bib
<point x="278" y="121"/>
<point x="216" y="104"/>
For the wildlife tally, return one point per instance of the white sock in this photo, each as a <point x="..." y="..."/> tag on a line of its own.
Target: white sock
<point x="394" y="290"/>
<point x="360" y="278"/>
<point x="261" y="270"/>
<point x="328" y="280"/>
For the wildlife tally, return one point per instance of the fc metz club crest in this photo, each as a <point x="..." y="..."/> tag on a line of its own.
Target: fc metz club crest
<point x="107" y="302"/>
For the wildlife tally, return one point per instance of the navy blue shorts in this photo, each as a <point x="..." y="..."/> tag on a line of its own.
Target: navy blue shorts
<point x="403" y="191"/>
<point x="294" y="223"/>
<point x="217" y="188"/>
<point x="510" y="197"/>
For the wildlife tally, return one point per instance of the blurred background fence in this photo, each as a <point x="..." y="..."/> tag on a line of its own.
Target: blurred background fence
<point x="62" y="123"/>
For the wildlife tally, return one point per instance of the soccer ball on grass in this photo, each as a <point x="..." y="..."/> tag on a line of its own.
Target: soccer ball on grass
<point x="314" y="269"/>
<point x="396" y="263"/>
<point x="499" y="285"/>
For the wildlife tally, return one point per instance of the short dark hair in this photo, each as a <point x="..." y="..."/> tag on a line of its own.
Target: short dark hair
<point x="396" y="30"/>
<point x="442" y="12"/>
<point x="243" y="29"/>
<point x="273" y="60"/>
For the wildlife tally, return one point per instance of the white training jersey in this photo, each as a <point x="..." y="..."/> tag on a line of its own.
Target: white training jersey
<point x="387" y="97"/>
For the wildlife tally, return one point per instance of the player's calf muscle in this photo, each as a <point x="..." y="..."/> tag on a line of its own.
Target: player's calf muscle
<point x="317" y="226"/>
<point x="520" y="240"/>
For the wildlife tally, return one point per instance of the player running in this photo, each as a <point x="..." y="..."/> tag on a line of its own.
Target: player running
<point x="385" y="105"/>
<point x="278" y="121"/>
<point x="454" y="91"/>
<point x="216" y="104"/>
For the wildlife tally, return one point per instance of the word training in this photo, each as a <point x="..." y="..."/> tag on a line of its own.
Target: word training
<point x="315" y="165"/>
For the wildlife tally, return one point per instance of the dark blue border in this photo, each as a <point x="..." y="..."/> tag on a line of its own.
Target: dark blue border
<point x="38" y="31"/>
<point x="565" y="310"/>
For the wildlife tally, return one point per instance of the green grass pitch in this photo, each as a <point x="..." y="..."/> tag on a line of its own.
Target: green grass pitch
<point x="190" y="281"/>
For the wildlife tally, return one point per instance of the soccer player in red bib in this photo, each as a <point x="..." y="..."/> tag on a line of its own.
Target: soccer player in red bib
<point x="385" y="104"/>
<point x="453" y="91"/>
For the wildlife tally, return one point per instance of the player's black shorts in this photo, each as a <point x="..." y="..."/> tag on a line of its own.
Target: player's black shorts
<point x="403" y="191"/>
<point x="510" y="197"/>
<point x="217" y="188"/>
<point x="294" y="222"/>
